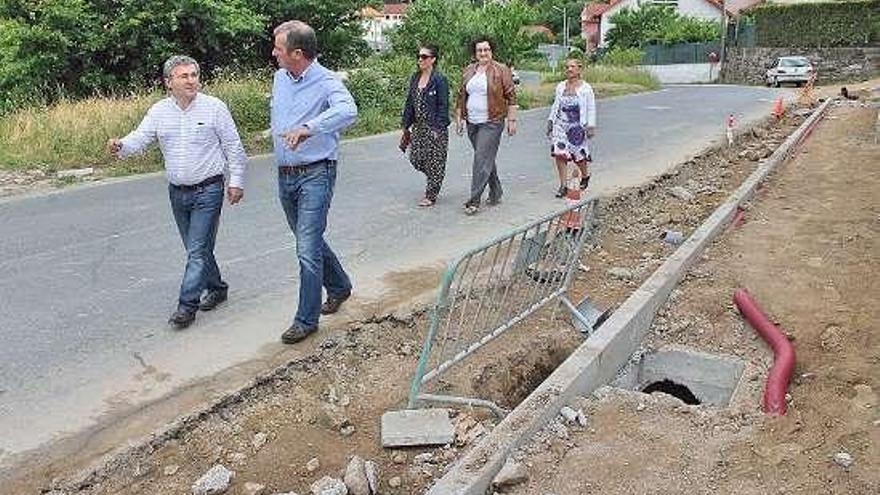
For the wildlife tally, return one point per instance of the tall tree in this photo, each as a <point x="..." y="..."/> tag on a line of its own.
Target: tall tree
<point x="452" y="24"/>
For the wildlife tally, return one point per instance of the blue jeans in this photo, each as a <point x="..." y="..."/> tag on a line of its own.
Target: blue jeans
<point x="305" y="198"/>
<point x="197" y="213"/>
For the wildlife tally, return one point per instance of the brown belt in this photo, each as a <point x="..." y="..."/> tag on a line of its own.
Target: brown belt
<point x="301" y="169"/>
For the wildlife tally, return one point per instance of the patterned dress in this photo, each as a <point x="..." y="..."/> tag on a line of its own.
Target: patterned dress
<point x="427" y="152"/>
<point x="569" y="138"/>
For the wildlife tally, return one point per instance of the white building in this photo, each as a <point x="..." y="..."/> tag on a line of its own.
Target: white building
<point x="376" y="24"/>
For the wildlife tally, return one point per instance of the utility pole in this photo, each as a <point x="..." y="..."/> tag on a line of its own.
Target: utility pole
<point x="564" y="11"/>
<point x="565" y="27"/>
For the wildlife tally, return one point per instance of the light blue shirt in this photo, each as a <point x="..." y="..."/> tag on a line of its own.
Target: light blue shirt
<point x="318" y="100"/>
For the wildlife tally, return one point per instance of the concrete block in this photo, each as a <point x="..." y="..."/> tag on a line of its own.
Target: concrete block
<point x="417" y="427"/>
<point x="712" y="378"/>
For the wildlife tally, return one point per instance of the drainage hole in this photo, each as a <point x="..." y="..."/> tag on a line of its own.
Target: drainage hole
<point x="676" y="390"/>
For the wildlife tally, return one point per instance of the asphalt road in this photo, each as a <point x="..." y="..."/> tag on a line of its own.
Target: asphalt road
<point x="89" y="275"/>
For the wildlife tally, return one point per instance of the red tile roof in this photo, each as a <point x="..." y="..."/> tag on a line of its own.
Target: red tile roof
<point x="736" y="6"/>
<point x="395" y="8"/>
<point x="593" y="11"/>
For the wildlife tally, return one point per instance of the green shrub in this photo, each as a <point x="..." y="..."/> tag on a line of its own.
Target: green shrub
<point x="380" y="87"/>
<point x="623" y="57"/>
<point x="80" y="48"/>
<point x="553" y="77"/>
<point x="609" y="74"/>
<point x="658" y="24"/>
<point x="826" y="24"/>
<point x="373" y="121"/>
<point x="539" y="64"/>
<point x="620" y="75"/>
<point x="381" y="83"/>
<point x="247" y="97"/>
<point x="453" y="24"/>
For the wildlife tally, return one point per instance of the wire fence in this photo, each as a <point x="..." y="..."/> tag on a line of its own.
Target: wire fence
<point x="681" y="53"/>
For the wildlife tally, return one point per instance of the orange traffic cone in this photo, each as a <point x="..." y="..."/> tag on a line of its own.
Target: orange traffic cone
<point x="778" y="109"/>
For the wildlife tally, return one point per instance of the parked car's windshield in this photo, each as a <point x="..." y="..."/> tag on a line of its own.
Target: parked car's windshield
<point x="793" y="62"/>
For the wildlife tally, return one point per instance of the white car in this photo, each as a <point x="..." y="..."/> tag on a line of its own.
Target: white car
<point x="796" y="70"/>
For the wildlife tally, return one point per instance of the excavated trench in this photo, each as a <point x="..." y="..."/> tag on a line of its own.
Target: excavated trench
<point x="509" y="382"/>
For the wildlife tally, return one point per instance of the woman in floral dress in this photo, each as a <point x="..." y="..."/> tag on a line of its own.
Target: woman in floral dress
<point x="571" y="124"/>
<point x="425" y="122"/>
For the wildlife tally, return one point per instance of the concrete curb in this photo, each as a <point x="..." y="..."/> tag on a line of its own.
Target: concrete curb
<point x="598" y="359"/>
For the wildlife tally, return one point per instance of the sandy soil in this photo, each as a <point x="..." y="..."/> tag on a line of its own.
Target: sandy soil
<point x="327" y="405"/>
<point x="809" y="253"/>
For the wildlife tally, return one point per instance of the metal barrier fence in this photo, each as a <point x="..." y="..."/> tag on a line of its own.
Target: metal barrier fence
<point x="489" y="289"/>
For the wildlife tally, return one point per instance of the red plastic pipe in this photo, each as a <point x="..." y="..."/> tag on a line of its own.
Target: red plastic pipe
<point x="783" y="363"/>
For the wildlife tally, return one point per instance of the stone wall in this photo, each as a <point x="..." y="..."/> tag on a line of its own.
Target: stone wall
<point x="748" y="65"/>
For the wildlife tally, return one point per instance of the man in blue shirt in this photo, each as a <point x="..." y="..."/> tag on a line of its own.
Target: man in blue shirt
<point x="310" y="107"/>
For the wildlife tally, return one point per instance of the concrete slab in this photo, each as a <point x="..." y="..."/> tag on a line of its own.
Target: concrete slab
<point x="412" y="427"/>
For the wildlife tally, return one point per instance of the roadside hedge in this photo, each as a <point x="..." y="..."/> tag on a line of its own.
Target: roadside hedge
<point x="53" y="49"/>
<point x="818" y="25"/>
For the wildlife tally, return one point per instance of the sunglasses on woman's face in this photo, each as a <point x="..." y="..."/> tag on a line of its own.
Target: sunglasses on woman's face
<point x="423" y="56"/>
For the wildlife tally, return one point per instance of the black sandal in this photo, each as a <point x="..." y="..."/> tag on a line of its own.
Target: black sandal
<point x="585" y="181"/>
<point x="561" y="192"/>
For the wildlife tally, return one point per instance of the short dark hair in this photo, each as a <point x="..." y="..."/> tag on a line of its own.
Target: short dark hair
<point x="481" y="39"/>
<point x="299" y="36"/>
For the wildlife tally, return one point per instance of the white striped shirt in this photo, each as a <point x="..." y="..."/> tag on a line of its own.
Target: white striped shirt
<point x="197" y="143"/>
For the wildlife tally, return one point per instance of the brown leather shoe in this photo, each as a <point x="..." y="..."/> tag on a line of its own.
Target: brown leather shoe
<point x="296" y="333"/>
<point x="332" y="304"/>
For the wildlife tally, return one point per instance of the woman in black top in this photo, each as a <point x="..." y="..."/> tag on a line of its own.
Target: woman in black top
<point x="425" y="122"/>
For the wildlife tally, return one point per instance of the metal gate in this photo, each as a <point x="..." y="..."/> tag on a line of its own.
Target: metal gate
<point x="489" y="289"/>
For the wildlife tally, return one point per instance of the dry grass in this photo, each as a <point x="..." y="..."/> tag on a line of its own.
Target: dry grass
<point x="595" y="74"/>
<point x="73" y="134"/>
<point x="70" y="134"/>
<point x="542" y="96"/>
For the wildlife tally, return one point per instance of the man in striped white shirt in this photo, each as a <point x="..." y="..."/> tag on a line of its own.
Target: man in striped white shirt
<point x="200" y="144"/>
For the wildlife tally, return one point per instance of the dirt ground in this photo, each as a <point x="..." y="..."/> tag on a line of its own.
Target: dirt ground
<point x="327" y="406"/>
<point x="808" y="252"/>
